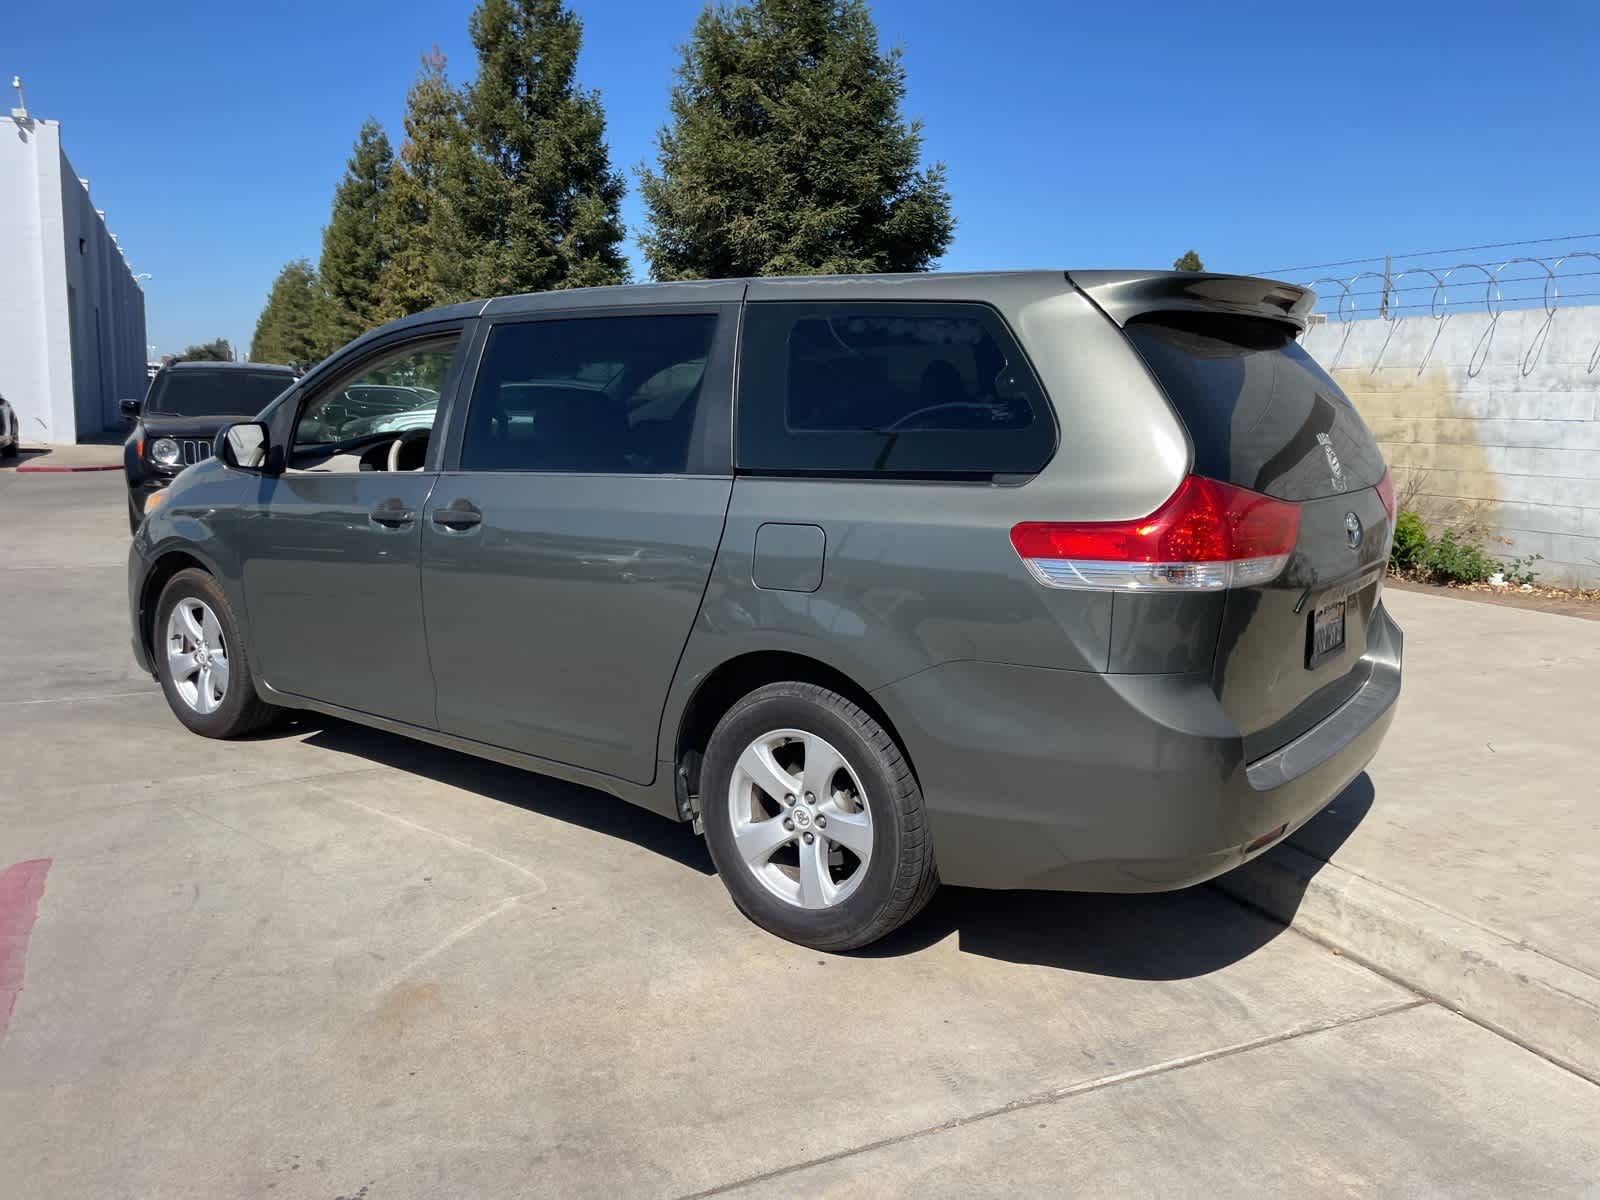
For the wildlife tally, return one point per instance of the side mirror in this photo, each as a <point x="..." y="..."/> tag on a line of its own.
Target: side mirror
<point x="243" y="445"/>
<point x="130" y="409"/>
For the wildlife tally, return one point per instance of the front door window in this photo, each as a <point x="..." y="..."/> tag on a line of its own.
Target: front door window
<point x="381" y="419"/>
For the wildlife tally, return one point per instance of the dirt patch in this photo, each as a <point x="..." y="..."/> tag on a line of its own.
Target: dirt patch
<point x="1552" y="600"/>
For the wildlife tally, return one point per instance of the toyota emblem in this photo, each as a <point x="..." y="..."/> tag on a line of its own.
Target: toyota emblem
<point x="1352" y="530"/>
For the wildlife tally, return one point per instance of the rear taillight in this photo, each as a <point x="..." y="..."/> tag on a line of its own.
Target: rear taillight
<point x="1208" y="536"/>
<point x="1385" y="490"/>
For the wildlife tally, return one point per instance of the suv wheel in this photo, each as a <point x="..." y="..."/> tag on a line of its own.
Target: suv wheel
<point x="814" y="819"/>
<point x="201" y="661"/>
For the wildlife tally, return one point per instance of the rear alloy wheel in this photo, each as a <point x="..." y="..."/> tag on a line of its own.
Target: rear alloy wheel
<point x="800" y="819"/>
<point x="201" y="661"/>
<point x="814" y="819"/>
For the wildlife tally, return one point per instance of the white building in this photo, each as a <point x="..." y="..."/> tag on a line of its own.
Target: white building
<point x="71" y="313"/>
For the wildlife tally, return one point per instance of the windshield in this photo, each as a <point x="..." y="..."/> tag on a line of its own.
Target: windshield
<point x="213" y="393"/>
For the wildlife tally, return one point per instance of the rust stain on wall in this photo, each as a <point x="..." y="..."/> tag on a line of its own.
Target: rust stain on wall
<point x="1431" y="442"/>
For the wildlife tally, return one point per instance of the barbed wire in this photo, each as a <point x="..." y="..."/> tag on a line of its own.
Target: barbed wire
<point x="1355" y="262"/>
<point x="1534" y="282"/>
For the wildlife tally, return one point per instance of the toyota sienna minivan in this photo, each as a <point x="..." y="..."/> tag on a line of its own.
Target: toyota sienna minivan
<point x="1024" y="580"/>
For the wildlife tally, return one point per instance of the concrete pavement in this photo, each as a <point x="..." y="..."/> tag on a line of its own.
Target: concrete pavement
<point x="331" y="962"/>
<point x="100" y="455"/>
<point x="1468" y="864"/>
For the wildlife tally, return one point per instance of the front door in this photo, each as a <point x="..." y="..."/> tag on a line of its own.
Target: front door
<point x="564" y="558"/>
<point x="331" y="567"/>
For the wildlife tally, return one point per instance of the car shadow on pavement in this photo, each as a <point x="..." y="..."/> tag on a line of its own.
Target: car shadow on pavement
<point x="1153" y="936"/>
<point x="1328" y="830"/>
<point x="23" y="455"/>
<point x="569" y="802"/>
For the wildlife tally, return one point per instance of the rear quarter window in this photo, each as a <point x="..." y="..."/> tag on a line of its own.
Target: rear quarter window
<point x="897" y="390"/>
<point x="1260" y="411"/>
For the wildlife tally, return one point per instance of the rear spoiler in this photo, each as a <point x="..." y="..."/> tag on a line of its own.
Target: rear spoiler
<point x="1124" y="295"/>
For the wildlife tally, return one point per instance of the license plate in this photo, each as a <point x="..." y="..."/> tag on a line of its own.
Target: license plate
<point x="1327" y="632"/>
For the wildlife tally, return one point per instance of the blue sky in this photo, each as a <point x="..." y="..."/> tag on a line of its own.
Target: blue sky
<point x="1087" y="134"/>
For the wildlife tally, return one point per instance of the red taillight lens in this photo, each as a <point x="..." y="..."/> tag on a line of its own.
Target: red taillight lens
<point x="1206" y="537"/>
<point x="1385" y="490"/>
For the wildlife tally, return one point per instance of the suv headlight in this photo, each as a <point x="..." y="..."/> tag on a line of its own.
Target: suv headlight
<point x="165" y="451"/>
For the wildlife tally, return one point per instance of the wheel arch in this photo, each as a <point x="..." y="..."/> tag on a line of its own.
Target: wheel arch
<point x="737" y="677"/>
<point x="162" y="569"/>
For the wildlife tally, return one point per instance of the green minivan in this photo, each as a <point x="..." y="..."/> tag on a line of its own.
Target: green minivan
<point x="1047" y="579"/>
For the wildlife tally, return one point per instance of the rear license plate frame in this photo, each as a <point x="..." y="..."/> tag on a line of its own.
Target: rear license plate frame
<point x="1321" y="643"/>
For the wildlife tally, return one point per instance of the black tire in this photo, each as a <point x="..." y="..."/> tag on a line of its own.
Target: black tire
<point x="134" y="515"/>
<point x="900" y="876"/>
<point x="241" y="710"/>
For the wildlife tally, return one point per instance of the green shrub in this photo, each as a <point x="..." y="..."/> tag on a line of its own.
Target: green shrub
<point x="1409" y="553"/>
<point x="1520" y="570"/>
<point x="1451" y="560"/>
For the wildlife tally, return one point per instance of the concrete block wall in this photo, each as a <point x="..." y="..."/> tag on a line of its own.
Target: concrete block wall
<point x="1494" y="423"/>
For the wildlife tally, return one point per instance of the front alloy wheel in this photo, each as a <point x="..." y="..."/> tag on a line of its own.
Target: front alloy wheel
<point x="197" y="655"/>
<point x="201" y="660"/>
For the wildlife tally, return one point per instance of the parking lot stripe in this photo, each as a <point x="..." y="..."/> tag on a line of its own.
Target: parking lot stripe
<point x="21" y="885"/>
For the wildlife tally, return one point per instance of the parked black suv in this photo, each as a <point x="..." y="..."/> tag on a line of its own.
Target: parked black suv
<point x="188" y="402"/>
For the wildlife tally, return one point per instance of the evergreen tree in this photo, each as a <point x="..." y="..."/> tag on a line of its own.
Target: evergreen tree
<point x="1188" y="261"/>
<point x="216" y="350"/>
<point x="539" y="202"/>
<point x="426" y="262"/>
<point x="787" y="152"/>
<point x="298" y="325"/>
<point x="352" y="250"/>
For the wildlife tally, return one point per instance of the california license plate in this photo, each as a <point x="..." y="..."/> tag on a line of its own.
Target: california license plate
<point x="1327" y="632"/>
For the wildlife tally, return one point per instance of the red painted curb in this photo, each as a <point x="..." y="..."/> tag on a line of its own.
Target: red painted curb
<point x="21" y="885"/>
<point x="30" y="469"/>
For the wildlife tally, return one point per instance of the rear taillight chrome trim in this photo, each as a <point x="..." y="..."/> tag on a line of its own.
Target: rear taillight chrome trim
<point x="1097" y="575"/>
<point x="1207" y="537"/>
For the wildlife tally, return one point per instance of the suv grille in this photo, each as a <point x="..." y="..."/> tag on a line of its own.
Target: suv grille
<point x="194" y="450"/>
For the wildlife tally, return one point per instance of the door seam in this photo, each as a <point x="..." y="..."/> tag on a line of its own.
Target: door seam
<point x="422" y="595"/>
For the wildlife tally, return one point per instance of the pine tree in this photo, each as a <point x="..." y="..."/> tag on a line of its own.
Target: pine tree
<point x="787" y="152"/>
<point x="1188" y="261"/>
<point x="352" y="250"/>
<point x="298" y="325"/>
<point x="216" y="350"/>
<point x="426" y="262"/>
<point x="538" y="199"/>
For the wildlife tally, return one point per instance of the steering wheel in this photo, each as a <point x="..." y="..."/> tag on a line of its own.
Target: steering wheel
<point x="397" y="447"/>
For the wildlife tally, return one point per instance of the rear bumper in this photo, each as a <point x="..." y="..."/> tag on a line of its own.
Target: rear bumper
<point x="1078" y="781"/>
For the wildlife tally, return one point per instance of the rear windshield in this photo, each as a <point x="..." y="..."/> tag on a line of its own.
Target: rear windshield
<point x="214" y="393"/>
<point x="1261" y="413"/>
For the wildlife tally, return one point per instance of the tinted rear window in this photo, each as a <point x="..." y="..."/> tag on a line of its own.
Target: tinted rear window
<point x="1261" y="413"/>
<point x="592" y="394"/>
<point x="888" y="389"/>
<point x="213" y="393"/>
